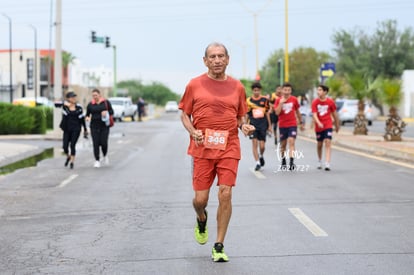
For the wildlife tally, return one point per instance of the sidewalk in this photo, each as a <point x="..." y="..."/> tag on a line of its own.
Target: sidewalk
<point x="373" y="143"/>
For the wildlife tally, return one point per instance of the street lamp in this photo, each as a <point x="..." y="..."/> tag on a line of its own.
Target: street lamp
<point x="256" y="42"/>
<point x="286" y="43"/>
<point x="10" y="57"/>
<point x="35" y="61"/>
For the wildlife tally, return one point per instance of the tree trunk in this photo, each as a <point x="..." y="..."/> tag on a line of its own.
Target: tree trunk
<point x="394" y="126"/>
<point x="360" y="122"/>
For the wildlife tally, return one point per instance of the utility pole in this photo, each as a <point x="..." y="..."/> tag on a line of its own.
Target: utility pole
<point x="10" y="57"/>
<point x="57" y="88"/>
<point x="114" y="85"/>
<point x="256" y="36"/>
<point x="107" y="42"/>
<point x="286" y="43"/>
<point x="35" y="62"/>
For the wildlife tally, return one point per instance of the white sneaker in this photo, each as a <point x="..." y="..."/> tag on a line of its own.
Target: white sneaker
<point x="97" y="164"/>
<point x="106" y="160"/>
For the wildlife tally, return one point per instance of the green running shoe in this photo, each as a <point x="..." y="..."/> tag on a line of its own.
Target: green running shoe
<point x="201" y="231"/>
<point x="218" y="254"/>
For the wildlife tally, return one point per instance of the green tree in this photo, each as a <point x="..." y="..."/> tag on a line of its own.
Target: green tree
<point x="391" y="51"/>
<point x="156" y="92"/>
<point x="384" y="54"/>
<point x="304" y="64"/>
<point x="337" y="86"/>
<point x="358" y="90"/>
<point x="270" y="77"/>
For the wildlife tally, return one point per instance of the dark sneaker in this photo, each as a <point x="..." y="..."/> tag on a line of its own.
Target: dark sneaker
<point x="327" y="169"/>
<point x="262" y="162"/>
<point x="67" y="161"/>
<point x="257" y="168"/>
<point x="71" y="165"/>
<point x="292" y="167"/>
<point x="218" y="254"/>
<point x="201" y="231"/>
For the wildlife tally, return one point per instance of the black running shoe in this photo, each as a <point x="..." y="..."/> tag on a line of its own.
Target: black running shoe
<point x="67" y="161"/>
<point x="257" y="168"/>
<point x="71" y="165"/>
<point x="262" y="162"/>
<point x="327" y="169"/>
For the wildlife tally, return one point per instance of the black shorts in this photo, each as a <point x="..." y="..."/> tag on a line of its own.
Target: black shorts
<point x="288" y="132"/>
<point x="259" y="135"/>
<point x="325" y="134"/>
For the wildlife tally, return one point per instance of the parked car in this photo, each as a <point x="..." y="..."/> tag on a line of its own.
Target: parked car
<point x="348" y="109"/>
<point x="171" y="106"/>
<point x="123" y="107"/>
<point x="32" y="102"/>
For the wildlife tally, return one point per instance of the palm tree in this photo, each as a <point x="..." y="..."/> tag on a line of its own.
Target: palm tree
<point x="392" y="95"/>
<point x="337" y="86"/>
<point x="359" y="91"/>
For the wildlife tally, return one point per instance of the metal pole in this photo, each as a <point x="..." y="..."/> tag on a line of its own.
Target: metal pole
<point x="58" y="63"/>
<point x="281" y="72"/>
<point x="114" y="85"/>
<point x="286" y="43"/>
<point x="256" y="42"/>
<point x="10" y="57"/>
<point x="35" y="62"/>
<point x="256" y="33"/>
<point x="49" y="70"/>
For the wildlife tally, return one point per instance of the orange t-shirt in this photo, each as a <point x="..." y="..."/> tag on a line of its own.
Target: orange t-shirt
<point x="215" y="105"/>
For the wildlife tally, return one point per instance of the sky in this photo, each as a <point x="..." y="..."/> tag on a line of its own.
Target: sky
<point x="164" y="40"/>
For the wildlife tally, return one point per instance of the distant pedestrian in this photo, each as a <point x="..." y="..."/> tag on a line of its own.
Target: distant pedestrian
<point x="258" y="116"/>
<point x="72" y="122"/>
<point x="287" y="108"/>
<point x="213" y="108"/>
<point x="323" y="110"/>
<point x="273" y="117"/>
<point x="141" y="108"/>
<point x="97" y="112"/>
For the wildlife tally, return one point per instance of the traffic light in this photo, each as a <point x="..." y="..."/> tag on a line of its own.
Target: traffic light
<point x="93" y="36"/>
<point x="107" y="42"/>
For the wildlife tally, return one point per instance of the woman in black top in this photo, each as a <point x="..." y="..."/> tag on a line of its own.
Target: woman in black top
<point x="72" y="122"/>
<point x="96" y="112"/>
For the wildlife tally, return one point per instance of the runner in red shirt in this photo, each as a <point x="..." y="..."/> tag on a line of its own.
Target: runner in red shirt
<point x="287" y="109"/>
<point x="213" y="109"/>
<point x="323" y="109"/>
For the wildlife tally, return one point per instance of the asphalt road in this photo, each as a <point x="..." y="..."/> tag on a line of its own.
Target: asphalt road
<point x="135" y="215"/>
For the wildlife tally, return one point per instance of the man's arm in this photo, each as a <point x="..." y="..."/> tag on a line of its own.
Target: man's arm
<point x="279" y="106"/>
<point x="196" y="135"/>
<point x="336" y="118"/>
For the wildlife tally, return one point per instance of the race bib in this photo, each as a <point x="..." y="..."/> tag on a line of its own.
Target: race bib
<point x="258" y="113"/>
<point x="216" y="139"/>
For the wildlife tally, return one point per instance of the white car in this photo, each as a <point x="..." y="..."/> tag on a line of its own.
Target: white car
<point x="348" y="109"/>
<point x="123" y="107"/>
<point x="171" y="106"/>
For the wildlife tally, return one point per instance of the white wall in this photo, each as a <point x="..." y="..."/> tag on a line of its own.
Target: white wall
<point x="408" y="93"/>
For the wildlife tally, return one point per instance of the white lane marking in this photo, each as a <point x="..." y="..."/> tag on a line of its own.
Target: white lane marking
<point x="258" y="174"/>
<point x="308" y="223"/>
<point x="67" y="181"/>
